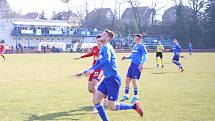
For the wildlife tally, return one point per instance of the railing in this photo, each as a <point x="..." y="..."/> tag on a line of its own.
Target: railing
<point x="47" y="32"/>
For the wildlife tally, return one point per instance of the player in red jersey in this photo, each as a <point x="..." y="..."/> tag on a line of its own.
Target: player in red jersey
<point x="2" y="50"/>
<point x="97" y="75"/>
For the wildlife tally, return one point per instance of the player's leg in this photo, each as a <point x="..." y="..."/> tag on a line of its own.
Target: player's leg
<point x="97" y="102"/>
<point x="94" y="84"/>
<point x="128" y="82"/>
<point x="90" y="84"/>
<point x="90" y="87"/>
<point x="190" y="52"/>
<point x="161" y="57"/>
<point x="3" y="56"/>
<point x="136" y="88"/>
<point x="113" y="86"/>
<point x="127" y="89"/>
<point x="180" y="66"/>
<point x="157" y="59"/>
<point x="176" y="62"/>
<point x="135" y="77"/>
<point x="100" y="93"/>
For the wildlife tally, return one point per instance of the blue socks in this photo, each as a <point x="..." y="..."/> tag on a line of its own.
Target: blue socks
<point x="177" y="63"/>
<point x="124" y="106"/>
<point x="101" y="111"/>
<point x="126" y="90"/>
<point x="135" y="91"/>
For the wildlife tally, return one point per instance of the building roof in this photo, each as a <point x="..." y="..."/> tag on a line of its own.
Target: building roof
<point x="41" y="23"/>
<point x="169" y="15"/>
<point x="142" y="11"/>
<point x="99" y="12"/>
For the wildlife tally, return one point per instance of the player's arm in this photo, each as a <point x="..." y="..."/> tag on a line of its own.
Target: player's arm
<point x="163" y="48"/>
<point x="144" y="57"/>
<point x="124" y="57"/>
<point x="85" y="56"/>
<point x="179" y="48"/>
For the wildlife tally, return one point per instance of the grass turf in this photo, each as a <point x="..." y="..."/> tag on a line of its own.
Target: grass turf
<point x="39" y="87"/>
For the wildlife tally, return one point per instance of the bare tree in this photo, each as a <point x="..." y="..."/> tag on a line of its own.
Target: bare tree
<point x="135" y="4"/>
<point x="114" y="17"/>
<point x="155" y="9"/>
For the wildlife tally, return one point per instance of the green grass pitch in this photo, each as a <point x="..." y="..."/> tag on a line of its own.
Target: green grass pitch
<point x="39" y="87"/>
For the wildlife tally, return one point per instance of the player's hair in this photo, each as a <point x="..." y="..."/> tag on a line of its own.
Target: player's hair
<point x="110" y="33"/>
<point x="138" y="35"/>
<point x="98" y="36"/>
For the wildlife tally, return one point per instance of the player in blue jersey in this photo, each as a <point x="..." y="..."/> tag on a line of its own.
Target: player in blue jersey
<point x="190" y="48"/>
<point x="110" y="86"/>
<point x="177" y="50"/>
<point x="138" y="59"/>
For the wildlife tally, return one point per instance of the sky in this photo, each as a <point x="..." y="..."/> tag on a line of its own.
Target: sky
<point x="25" y="6"/>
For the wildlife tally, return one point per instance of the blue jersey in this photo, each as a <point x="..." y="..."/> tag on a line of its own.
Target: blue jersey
<point x="138" y="55"/>
<point x="107" y="61"/>
<point x="190" y="46"/>
<point x="176" y="49"/>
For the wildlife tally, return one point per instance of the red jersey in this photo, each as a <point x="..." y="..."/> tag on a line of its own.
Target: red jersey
<point x="94" y="53"/>
<point x="1" y="48"/>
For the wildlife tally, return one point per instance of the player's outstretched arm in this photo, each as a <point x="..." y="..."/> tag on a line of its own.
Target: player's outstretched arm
<point x="77" y="58"/>
<point x="84" y="56"/>
<point x="78" y="74"/>
<point x="124" y="57"/>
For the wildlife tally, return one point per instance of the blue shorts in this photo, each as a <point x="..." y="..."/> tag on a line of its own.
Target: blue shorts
<point x="110" y="87"/>
<point x="189" y="50"/>
<point x="176" y="58"/>
<point x="133" y="71"/>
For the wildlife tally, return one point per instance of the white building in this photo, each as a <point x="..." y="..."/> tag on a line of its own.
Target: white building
<point x="30" y="32"/>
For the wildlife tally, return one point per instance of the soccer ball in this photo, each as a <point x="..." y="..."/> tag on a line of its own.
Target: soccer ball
<point x="65" y="1"/>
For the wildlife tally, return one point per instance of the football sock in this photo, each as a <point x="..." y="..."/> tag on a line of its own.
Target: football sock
<point x="127" y="90"/>
<point x="124" y="106"/>
<point x="135" y="91"/>
<point x="101" y="111"/>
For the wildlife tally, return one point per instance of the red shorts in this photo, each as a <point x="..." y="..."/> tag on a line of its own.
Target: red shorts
<point x="96" y="75"/>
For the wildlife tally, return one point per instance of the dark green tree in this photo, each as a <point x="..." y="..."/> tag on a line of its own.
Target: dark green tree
<point x="181" y="25"/>
<point x="210" y="24"/>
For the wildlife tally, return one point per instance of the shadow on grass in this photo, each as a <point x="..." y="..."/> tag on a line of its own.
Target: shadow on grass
<point x="66" y="115"/>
